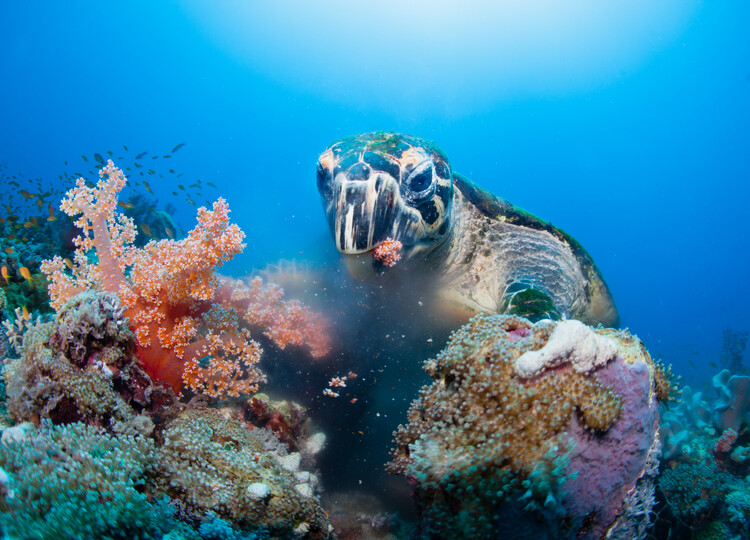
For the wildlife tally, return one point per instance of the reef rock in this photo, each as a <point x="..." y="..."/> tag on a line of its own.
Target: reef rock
<point x="546" y="430"/>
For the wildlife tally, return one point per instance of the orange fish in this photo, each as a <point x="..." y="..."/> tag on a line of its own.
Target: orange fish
<point x="25" y="312"/>
<point x="51" y="218"/>
<point x="25" y="273"/>
<point x="148" y="188"/>
<point x="68" y="263"/>
<point x="169" y="232"/>
<point x="26" y="194"/>
<point x="126" y="206"/>
<point x="9" y="250"/>
<point x="5" y="273"/>
<point x="39" y="203"/>
<point x="146" y="229"/>
<point x="51" y="210"/>
<point x="28" y="224"/>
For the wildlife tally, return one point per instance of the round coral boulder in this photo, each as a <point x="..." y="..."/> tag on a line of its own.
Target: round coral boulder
<point x="546" y="430"/>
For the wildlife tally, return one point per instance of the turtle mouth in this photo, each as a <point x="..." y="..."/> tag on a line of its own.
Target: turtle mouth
<point x="363" y="214"/>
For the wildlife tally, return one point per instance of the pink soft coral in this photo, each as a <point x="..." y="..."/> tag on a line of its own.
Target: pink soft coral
<point x="186" y="334"/>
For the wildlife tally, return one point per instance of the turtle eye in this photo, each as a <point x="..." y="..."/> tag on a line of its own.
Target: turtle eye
<point x="420" y="180"/>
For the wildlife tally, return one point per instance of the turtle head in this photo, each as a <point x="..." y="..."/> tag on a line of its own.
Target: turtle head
<point x="376" y="186"/>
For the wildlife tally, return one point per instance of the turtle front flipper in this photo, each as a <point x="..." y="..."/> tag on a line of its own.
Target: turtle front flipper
<point x="524" y="300"/>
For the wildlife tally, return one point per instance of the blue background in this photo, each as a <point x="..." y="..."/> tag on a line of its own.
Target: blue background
<point x="625" y="124"/>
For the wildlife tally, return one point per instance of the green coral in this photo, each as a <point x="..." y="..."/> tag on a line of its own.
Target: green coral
<point x="210" y="461"/>
<point x="76" y="481"/>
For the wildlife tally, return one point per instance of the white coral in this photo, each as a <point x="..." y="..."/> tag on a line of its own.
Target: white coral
<point x="573" y="342"/>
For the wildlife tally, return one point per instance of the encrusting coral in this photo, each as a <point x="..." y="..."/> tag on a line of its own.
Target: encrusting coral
<point x="81" y="366"/>
<point x="210" y="461"/>
<point x="170" y="291"/>
<point x="559" y="447"/>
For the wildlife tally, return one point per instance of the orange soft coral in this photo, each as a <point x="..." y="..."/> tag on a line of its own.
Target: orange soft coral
<point x="183" y="336"/>
<point x="286" y="322"/>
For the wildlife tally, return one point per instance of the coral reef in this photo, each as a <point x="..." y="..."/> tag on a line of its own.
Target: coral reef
<point x="706" y="461"/>
<point x="76" y="481"/>
<point x="210" y="461"/>
<point x="554" y="450"/>
<point x="81" y="367"/>
<point x="79" y="370"/>
<point x="185" y="334"/>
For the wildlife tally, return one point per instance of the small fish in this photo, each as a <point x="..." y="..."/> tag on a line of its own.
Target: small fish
<point x="166" y="156"/>
<point x="178" y="147"/>
<point x="211" y="184"/>
<point x="154" y="157"/>
<point x="169" y="232"/>
<point x="148" y="188"/>
<point x="29" y="225"/>
<point x="68" y="263"/>
<point x="51" y="210"/>
<point x="99" y="158"/>
<point x="191" y="201"/>
<point x="126" y="206"/>
<point x="25" y="313"/>
<point x="137" y="165"/>
<point x="151" y="171"/>
<point x="25" y="273"/>
<point x="5" y="273"/>
<point x="2" y="220"/>
<point x="146" y="229"/>
<point x="140" y="156"/>
<point x="39" y="203"/>
<point x="26" y="195"/>
<point x="181" y="186"/>
<point x="125" y="147"/>
<point x="109" y="152"/>
<point x="51" y="218"/>
<point x="84" y="158"/>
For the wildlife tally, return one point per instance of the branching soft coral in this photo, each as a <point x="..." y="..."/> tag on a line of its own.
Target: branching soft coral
<point x="286" y="322"/>
<point x="186" y="333"/>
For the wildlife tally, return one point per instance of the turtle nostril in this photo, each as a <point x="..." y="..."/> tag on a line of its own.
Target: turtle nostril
<point x="360" y="171"/>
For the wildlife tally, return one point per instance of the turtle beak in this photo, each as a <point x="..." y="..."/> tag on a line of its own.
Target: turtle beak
<point x="361" y="212"/>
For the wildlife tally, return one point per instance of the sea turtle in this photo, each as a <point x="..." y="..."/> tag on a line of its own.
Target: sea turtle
<point x="494" y="257"/>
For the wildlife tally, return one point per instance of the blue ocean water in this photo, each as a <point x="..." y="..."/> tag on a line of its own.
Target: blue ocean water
<point x="625" y="124"/>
